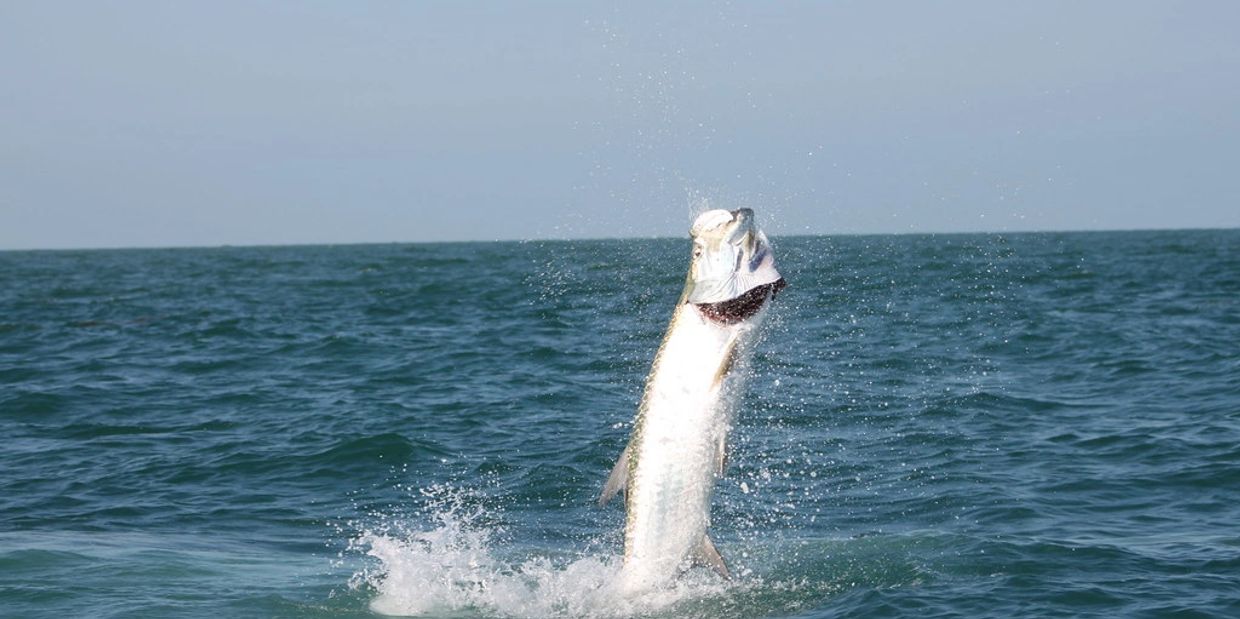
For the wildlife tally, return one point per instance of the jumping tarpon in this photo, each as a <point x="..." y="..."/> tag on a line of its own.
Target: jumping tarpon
<point x="679" y="443"/>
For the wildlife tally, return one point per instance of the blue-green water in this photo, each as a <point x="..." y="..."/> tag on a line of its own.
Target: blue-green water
<point x="1033" y="425"/>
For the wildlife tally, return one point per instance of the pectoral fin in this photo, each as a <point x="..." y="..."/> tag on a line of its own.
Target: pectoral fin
<point x="729" y="360"/>
<point x="707" y="555"/>
<point x="721" y="456"/>
<point x="618" y="478"/>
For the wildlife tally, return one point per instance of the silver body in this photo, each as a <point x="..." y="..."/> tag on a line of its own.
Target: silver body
<point x="678" y="447"/>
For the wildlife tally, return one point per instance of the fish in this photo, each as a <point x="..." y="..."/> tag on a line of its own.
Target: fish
<point x="678" y="448"/>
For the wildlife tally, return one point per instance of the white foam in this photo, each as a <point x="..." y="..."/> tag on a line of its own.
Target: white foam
<point x="456" y="568"/>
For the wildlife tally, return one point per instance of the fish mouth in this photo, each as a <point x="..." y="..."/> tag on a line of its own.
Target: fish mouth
<point x="727" y="226"/>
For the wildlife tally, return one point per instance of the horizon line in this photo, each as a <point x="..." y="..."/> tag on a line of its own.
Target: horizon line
<point x="596" y="238"/>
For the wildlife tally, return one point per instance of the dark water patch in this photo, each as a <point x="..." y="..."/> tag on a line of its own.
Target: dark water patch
<point x="89" y="431"/>
<point x="35" y="560"/>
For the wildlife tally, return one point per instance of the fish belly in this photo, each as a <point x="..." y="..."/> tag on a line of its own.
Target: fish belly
<point x="682" y="429"/>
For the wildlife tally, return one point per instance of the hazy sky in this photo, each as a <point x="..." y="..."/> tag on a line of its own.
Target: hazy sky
<point x="175" y="123"/>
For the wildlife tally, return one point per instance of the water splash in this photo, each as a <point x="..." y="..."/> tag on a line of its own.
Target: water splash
<point x="457" y="564"/>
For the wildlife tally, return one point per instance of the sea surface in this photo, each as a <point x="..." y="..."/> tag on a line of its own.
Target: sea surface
<point x="983" y="425"/>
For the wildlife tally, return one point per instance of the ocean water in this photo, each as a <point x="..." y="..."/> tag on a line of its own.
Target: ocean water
<point x="1032" y="425"/>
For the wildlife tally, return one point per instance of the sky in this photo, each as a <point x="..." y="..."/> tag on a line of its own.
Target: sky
<point x="156" y="124"/>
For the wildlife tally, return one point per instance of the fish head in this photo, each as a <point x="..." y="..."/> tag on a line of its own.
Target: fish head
<point x="731" y="256"/>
